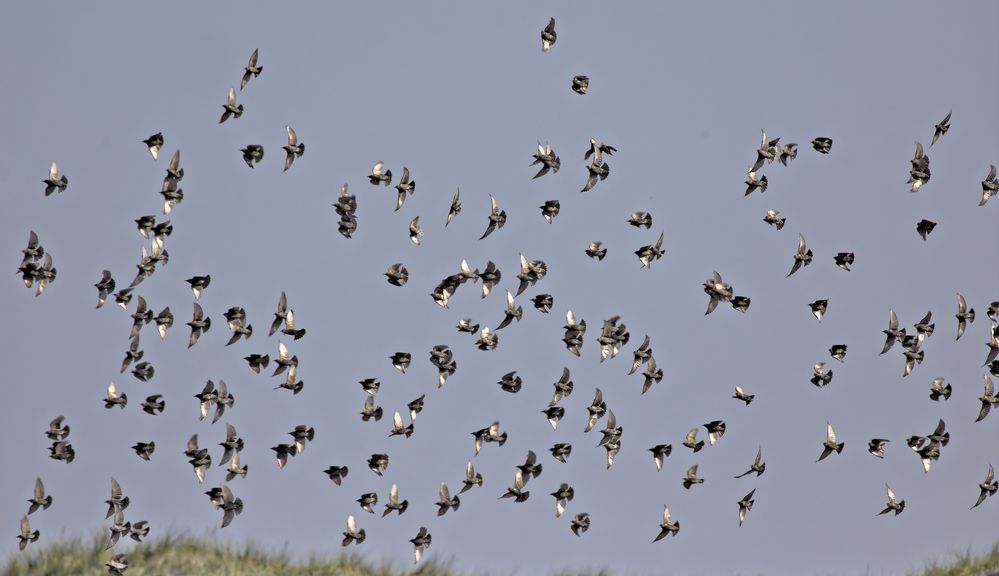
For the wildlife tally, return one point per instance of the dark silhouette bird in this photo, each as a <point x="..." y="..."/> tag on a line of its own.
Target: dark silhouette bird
<point x="114" y="398"/>
<point x="367" y="501"/>
<point x="754" y="182"/>
<point x="964" y="316"/>
<point x="144" y="449"/>
<point x="562" y="496"/>
<point x="892" y="333"/>
<point x="543" y="303"/>
<point x="251" y="69"/>
<point x="580" y="84"/>
<point x="773" y="218"/>
<point x="988" y="399"/>
<point x="822" y="145"/>
<point x="595" y="251"/>
<point x="548" y="159"/>
<point x="740" y="394"/>
<point x="820" y="378"/>
<point x="379" y="175"/>
<point x="336" y="473"/>
<point x="405" y="186"/>
<point x="640" y="220"/>
<point x="597" y="170"/>
<point x="105" y="286"/>
<point x="877" y="447"/>
<point x="844" y="260"/>
<point x="549" y="210"/>
<point x="990" y="186"/>
<point x="716" y="429"/>
<point x="650" y="253"/>
<point x="252" y="154"/>
<point x="517" y="491"/>
<point x="397" y="275"/>
<point x="455" y="208"/>
<point x="497" y="218"/>
<point x="939" y="390"/>
<point x="154" y="143"/>
<point x="199" y="324"/>
<point x="561" y="451"/>
<point x="378" y="463"/>
<point x="838" y="351"/>
<point x="819" y="308"/>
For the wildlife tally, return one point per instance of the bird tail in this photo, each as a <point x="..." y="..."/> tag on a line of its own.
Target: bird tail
<point x="839" y="447"/>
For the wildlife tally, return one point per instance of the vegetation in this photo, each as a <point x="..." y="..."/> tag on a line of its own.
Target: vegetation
<point x="181" y="555"/>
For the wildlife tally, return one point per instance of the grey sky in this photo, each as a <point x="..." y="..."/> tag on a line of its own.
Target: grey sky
<point x="460" y="93"/>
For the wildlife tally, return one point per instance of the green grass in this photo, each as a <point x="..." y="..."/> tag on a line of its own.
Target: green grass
<point x="965" y="564"/>
<point x="188" y="556"/>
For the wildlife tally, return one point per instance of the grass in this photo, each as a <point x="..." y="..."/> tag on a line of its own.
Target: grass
<point x="188" y="556"/>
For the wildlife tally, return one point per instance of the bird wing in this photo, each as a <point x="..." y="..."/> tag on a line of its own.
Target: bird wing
<point x="830" y="434"/>
<point x="292" y="137"/>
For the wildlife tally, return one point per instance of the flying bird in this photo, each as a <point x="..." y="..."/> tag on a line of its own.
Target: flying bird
<point x="455" y="208"/>
<point x="378" y="176"/>
<point x="154" y="143"/>
<point x="822" y="145"/>
<point x="745" y="505"/>
<point x="497" y="218"/>
<point x="252" y="154"/>
<point x="580" y="523"/>
<point x="580" y="84"/>
<point x="758" y="466"/>
<point x="668" y="526"/>
<point x="27" y="535"/>
<point x="549" y="210"/>
<point x="293" y="149"/>
<point x="420" y="543"/>
<point x="39" y="499"/>
<point x="404" y="186"/>
<point x="924" y="227"/>
<point x="773" y="218"/>
<point x="640" y="220"/>
<point x="939" y="390"/>
<point x="990" y="186"/>
<point x="231" y="108"/>
<point x="690" y="478"/>
<point x="802" y="257"/>
<point x="941" y="128"/>
<point x="988" y="487"/>
<point x="893" y="505"/>
<point x="55" y="181"/>
<point x="548" y="36"/>
<point x="964" y="316"/>
<point x="830" y="445"/>
<point x="251" y="69"/>
<point x="844" y="260"/>
<point x="877" y="447"/>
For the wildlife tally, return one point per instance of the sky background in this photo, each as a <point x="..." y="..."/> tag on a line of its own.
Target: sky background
<point x="461" y="93"/>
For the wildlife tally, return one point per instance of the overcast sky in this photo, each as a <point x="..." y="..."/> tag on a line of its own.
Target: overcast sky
<point x="460" y="93"/>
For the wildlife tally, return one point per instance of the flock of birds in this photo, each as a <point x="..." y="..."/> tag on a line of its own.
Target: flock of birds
<point x="37" y="270"/>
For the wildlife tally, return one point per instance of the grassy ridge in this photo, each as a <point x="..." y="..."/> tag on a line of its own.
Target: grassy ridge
<point x="187" y="556"/>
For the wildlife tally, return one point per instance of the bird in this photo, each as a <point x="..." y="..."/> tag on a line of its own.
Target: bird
<point x="164" y="320"/>
<point x="594" y="251"/>
<point x="988" y="398"/>
<point x="517" y="491"/>
<point x="740" y="394"/>
<point x="554" y="414"/>
<point x="549" y="210"/>
<point x="154" y="143"/>
<point x="717" y="291"/>
<point x="370" y="411"/>
<point x="397" y="275"/>
<point x="757" y="466"/>
<point x="659" y="454"/>
<point x="548" y="36"/>
<point x="236" y="319"/>
<point x="844" y="260"/>
<point x="27" y="535"/>
<point x="55" y="182"/>
<point x="668" y="526"/>
<point x="919" y="174"/>
<point x="531" y="272"/>
<point x="447" y="502"/>
<point x="118" y="527"/>
<point x="367" y="501"/>
<point x="114" y="398"/>
<point x="117" y="565"/>
<point x="822" y="145"/>
<point x="302" y="434"/>
<point x="548" y="159"/>
<point x="892" y="333"/>
<point x="352" y="534"/>
<point x="561" y="451"/>
<point x="690" y="478"/>
<point x="580" y="523"/>
<point x="939" y="390"/>
<point x="293" y="149"/>
<point x="490" y="433"/>
<point x="401" y="361"/>
<point x="941" y="128"/>
<point x="830" y="445"/>
<point x="716" y="429"/>
<point x="924" y="227"/>
<point x="767" y="152"/>
<point x="251" y="69"/>
<point x="144" y="449"/>
<point x="415" y="231"/>
<point x="235" y="469"/>
<point x="640" y="220"/>
<point x="803" y="256"/>
<point x="378" y="463"/>
<point x="530" y="468"/>
<point x="838" y="351"/>
<point x="258" y="361"/>
<point x="380" y="176"/>
<point x="252" y="154"/>
<point x="199" y="284"/>
<point x="597" y="170"/>
<point x="745" y="505"/>
<point x="282" y="452"/>
<point x="990" y="186"/>
<point x="580" y="84"/>
<point x="403" y="187"/>
<point x="543" y="303"/>
<point x="513" y="311"/>
<point x="336" y="473"/>
<point x="472" y="479"/>
<point x="562" y="497"/>
<point x="117" y="500"/>
<point x="773" y="218"/>
<point x="788" y="153"/>
<point x="893" y="505"/>
<point x="877" y="447"/>
<point x="231" y="506"/>
<point x="57" y="431"/>
<point x="964" y="316"/>
<point x="231" y="108"/>
<point x="820" y="378"/>
<point x="455" y="208"/>
<point x="105" y="286"/>
<point x="420" y="543"/>
<point x="199" y="324"/>
<point x="650" y="253"/>
<point x="39" y="499"/>
<point x="399" y="429"/>
<point x="819" y="308"/>
<point x="690" y="440"/>
<point x="497" y="218"/>
<point x="988" y="487"/>
<point x="754" y="182"/>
